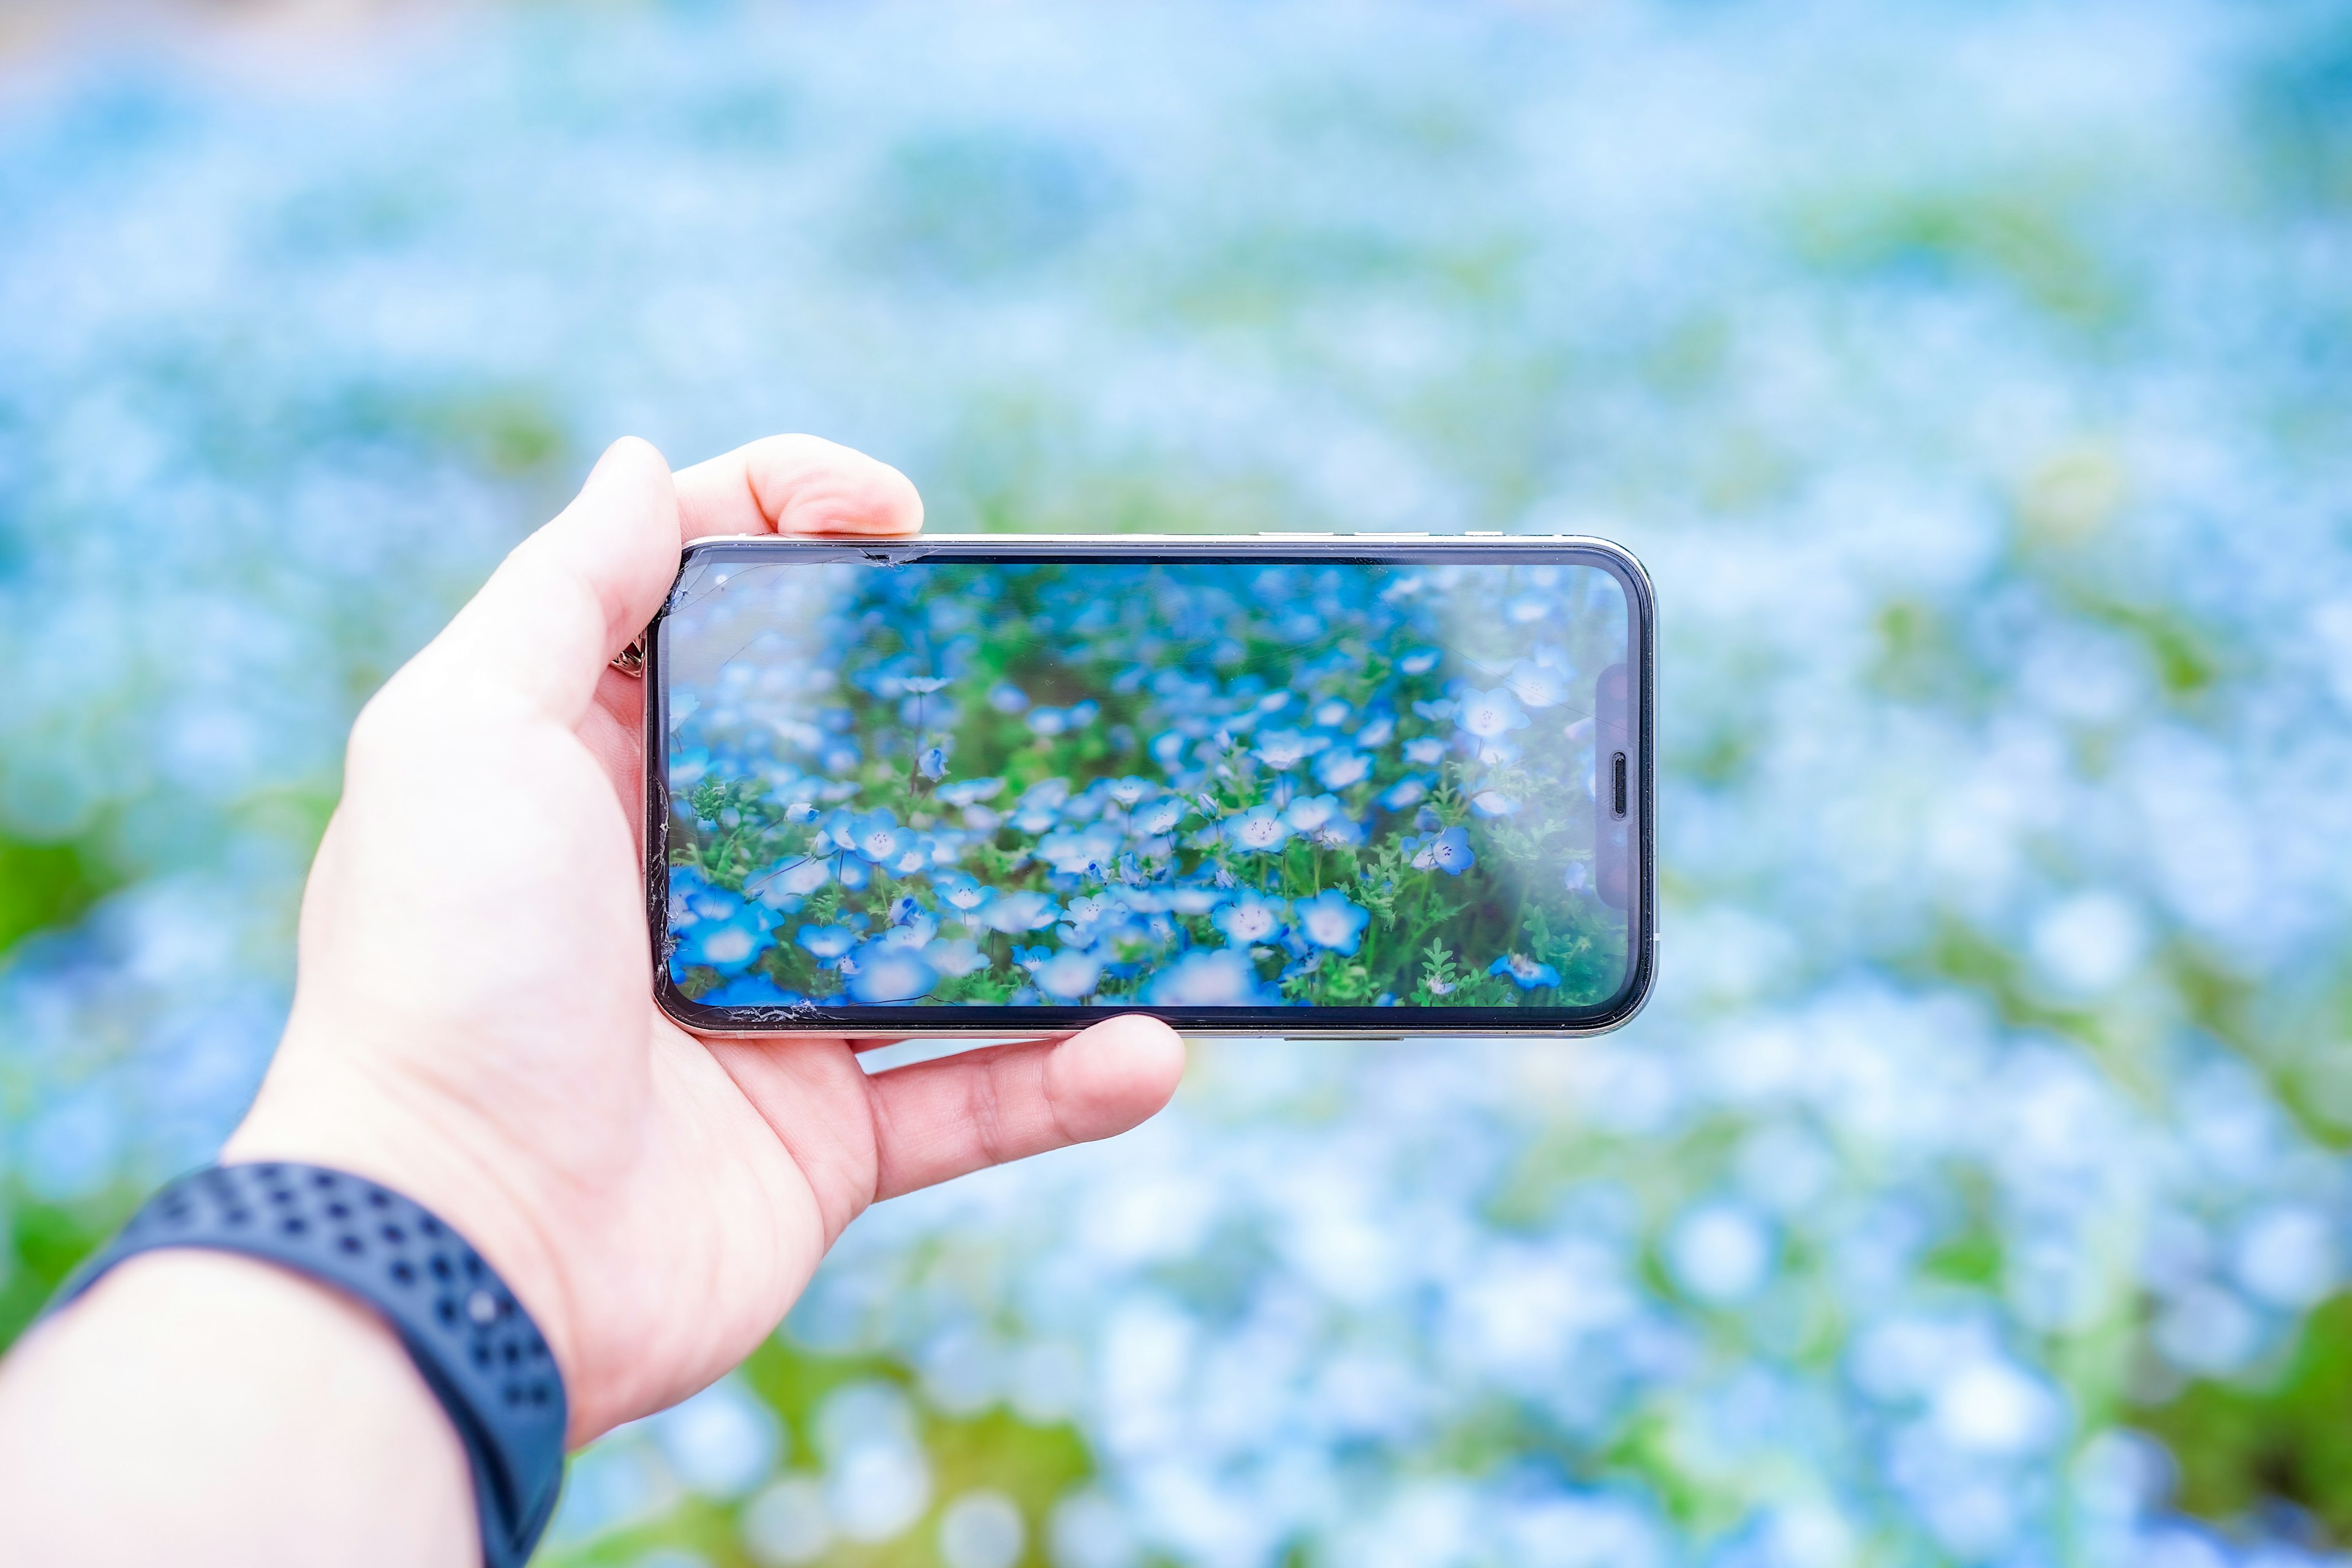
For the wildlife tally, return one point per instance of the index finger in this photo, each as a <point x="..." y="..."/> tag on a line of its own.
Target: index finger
<point x="796" y="484"/>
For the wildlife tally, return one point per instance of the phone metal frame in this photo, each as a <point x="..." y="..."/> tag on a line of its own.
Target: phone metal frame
<point x="953" y="1022"/>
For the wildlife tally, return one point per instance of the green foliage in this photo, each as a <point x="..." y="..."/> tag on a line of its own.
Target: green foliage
<point x="2289" y="1439"/>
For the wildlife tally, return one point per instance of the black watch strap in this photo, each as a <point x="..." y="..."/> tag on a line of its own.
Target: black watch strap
<point x="479" y="1351"/>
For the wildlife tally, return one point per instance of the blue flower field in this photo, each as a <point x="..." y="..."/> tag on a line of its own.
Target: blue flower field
<point x="1971" y="379"/>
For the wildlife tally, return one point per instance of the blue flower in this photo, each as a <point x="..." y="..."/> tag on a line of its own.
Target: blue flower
<point x="1376" y="731"/>
<point x="1487" y="714"/>
<point x="959" y="891"/>
<point x="971" y="792"/>
<point x="1159" y="818"/>
<point x="1007" y="697"/>
<point x="1449" y="852"/>
<point x="1130" y="791"/>
<point x="1538" y="684"/>
<point x="825" y="943"/>
<point x="1529" y="974"/>
<point x="1330" y="919"/>
<point x="1249" y="920"/>
<point x="1339" y="769"/>
<point x="1212" y="977"/>
<point x="876" y="835"/>
<point x="1493" y="803"/>
<point x="884" y="971"/>
<point x="1428" y="750"/>
<point x="1019" y="911"/>
<point x="934" y="763"/>
<point x="1310" y="812"/>
<point x="790" y="879"/>
<point x="1419" y="662"/>
<point x="1405" y="792"/>
<point x="693" y="899"/>
<point x="1283" y="750"/>
<point x="854" y="873"/>
<point x="1257" y="830"/>
<point x="751" y="991"/>
<point x="1069" y="975"/>
<point x="961" y="956"/>
<point x="727" y="945"/>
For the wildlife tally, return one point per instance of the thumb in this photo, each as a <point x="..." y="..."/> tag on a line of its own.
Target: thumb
<point x="572" y="595"/>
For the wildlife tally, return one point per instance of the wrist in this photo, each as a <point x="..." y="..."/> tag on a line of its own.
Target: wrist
<point x="262" y="1413"/>
<point x="370" y="1133"/>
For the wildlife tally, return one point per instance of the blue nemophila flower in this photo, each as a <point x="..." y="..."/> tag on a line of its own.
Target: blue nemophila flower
<point x="1449" y="852"/>
<point x="1019" y="911"/>
<point x="884" y="971"/>
<point x="1420" y="662"/>
<point x="1191" y="899"/>
<point x="1529" y="974"/>
<point x="1048" y="722"/>
<point x="693" y="899"/>
<point x="934" y="763"/>
<point x="794" y="878"/>
<point x="1069" y="975"/>
<point x="904" y="908"/>
<point x="1331" y="713"/>
<point x="1338" y="833"/>
<point x="1258" y="830"/>
<point x="1406" y="792"/>
<point x="1339" y="769"/>
<point x="1487" y="714"/>
<point x="1493" y="803"/>
<point x="825" y="943"/>
<point x="753" y="991"/>
<point x="1311" y="812"/>
<point x="971" y="792"/>
<point x="1330" y="919"/>
<point x="1130" y="791"/>
<point x="854" y="873"/>
<point x="1578" y="877"/>
<point x="959" y="956"/>
<point x="1437" y="711"/>
<point x="1376" y="731"/>
<point x="876" y="835"/>
<point x="1213" y="977"/>
<point x="1283" y="750"/>
<point x="727" y="945"/>
<point x="1159" y="818"/>
<point x="1167" y="749"/>
<point x="1082" y="714"/>
<point x="1427" y="750"/>
<point x="1007" y="697"/>
<point x="959" y="891"/>
<point x="800" y="813"/>
<point x="1538" y="684"/>
<point x="1250" y="919"/>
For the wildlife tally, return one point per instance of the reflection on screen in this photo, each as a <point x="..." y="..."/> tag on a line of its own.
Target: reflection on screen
<point x="1182" y="785"/>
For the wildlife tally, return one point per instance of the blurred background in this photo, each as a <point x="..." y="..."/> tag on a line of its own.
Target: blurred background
<point x="1975" y="379"/>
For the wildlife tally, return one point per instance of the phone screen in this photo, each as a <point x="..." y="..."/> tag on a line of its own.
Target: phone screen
<point x="1178" y="783"/>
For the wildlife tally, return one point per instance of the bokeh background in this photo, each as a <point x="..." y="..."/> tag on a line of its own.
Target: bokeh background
<point x="1976" y="381"/>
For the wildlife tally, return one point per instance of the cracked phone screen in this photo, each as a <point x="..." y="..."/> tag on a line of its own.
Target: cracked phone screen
<point x="1182" y="783"/>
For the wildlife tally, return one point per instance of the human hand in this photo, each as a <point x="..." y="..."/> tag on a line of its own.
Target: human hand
<point x="473" y="1023"/>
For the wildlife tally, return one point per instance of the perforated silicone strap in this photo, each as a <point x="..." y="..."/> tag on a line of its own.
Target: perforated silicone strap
<point x="479" y="1351"/>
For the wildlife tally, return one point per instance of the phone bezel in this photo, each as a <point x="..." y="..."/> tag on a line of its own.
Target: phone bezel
<point x="950" y="1022"/>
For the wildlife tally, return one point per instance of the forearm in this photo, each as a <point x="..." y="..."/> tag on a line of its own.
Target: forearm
<point x="195" y="1407"/>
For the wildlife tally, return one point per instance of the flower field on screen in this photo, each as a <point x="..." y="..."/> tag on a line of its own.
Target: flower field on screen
<point x="1200" y="786"/>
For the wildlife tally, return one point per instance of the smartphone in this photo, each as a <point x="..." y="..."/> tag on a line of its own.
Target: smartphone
<point x="1360" y="786"/>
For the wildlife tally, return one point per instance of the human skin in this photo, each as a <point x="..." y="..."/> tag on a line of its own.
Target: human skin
<point x="473" y="1026"/>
